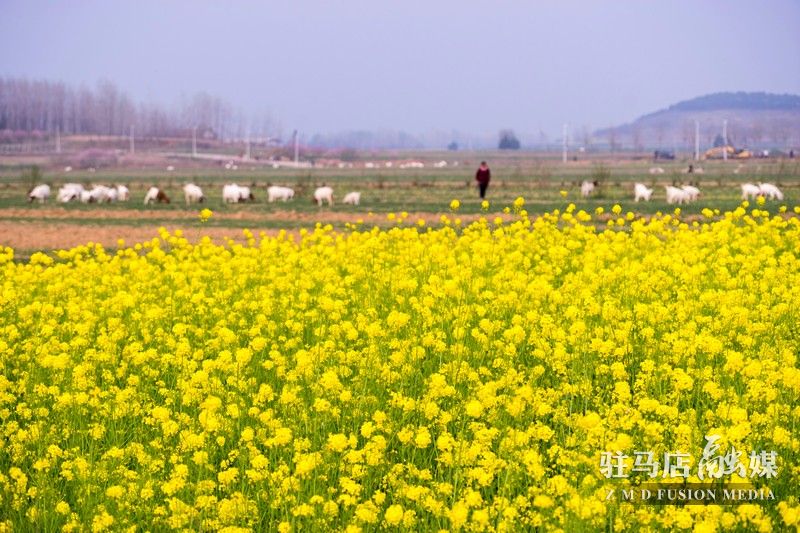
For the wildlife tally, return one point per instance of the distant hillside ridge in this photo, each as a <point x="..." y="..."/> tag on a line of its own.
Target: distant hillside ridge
<point x="755" y="120"/>
<point x="739" y="100"/>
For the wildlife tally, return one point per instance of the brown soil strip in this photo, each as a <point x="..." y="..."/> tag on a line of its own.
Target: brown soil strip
<point x="323" y="215"/>
<point x="30" y="236"/>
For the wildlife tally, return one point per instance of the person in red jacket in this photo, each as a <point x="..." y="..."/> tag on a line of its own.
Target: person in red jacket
<point x="482" y="177"/>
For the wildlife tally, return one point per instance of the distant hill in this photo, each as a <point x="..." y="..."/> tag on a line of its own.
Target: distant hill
<point x="740" y="100"/>
<point x="755" y="120"/>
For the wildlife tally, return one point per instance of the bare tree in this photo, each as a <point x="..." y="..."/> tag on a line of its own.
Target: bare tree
<point x="687" y="135"/>
<point x="612" y="139"/>
<point x="637" y="138"/>
<point x="660" y="129"/>
<point x="36" y="108"/>
<point x="756" y="132"/>
<point x="586" y="135"/>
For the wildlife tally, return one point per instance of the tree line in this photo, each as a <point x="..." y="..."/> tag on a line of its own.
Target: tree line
<point x="40" y="108"/>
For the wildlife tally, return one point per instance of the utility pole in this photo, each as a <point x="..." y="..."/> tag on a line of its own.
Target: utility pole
<point x="58" y="140"/>
<point x="296" y="148"/>
<point x="564" y="145"/>
<point x="132" y="147"/>
<point x="247" y="142"/>
<point x="697" y="140"/>
<point x="725" y="140"/>
<point x="194" y="141"/>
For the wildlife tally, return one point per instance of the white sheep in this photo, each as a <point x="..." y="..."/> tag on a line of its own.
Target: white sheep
<point x="101" y="193"/>
<point x="323" y="194"/>
<point x="233" y="194"/>
<point x="244" y="194"/>
<point x="770" y="191"/>
<point x="193" y="194"/>
<point x="353" y="198"/>
<point x="111" y="194"/>
<point x="656" y="170"/>
<point x="676" y="195"/>
<point x="587" y="187"/>
<point x="69" y="192"/>
<point x="86" y="196"/>
<point x="641" y="192"/>
<point x="750" y="191"/>
<point x="123" y="194"/>
<point x="40" y="193"/>
<point x="276" y="192"/>
<point x="230" y="193"/>
<point x="692" y="192"/>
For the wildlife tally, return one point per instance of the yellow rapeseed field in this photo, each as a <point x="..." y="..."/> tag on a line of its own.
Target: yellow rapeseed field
<point x="416" y="378"/>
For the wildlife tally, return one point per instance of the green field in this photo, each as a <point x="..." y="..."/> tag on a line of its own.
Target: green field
<point x="539" y="181"/>
<point x="544" y="182"/>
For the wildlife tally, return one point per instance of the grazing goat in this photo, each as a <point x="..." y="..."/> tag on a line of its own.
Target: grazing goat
<point x="69" y="192"/>
<point x="276" y="192"/>
<point x="323" y="194"/>
<point x="656" y="170"/>
<point x="193" y="194"/>
<point x="245" y="195"/>
<point x="676" y="195"/>
<point x="641" y="192"/>
<point x="353" y="198"/>
<point x="155" y="195"/>
<point x="770" y="191"/>
<point x="692" y="192"/>
<point x="40" y="193"/>
<point x="750" y="191"/>
<point x="101" y="193"/>
<point x="111" y="194"/>
<point x="230" y="193"/>
<point x="587" y="187"/>
<point x="234" y="194"/>
<point x="123" y="194"/>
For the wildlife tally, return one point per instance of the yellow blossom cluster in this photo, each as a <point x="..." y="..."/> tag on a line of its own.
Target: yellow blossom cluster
<point x="417" y="378"/>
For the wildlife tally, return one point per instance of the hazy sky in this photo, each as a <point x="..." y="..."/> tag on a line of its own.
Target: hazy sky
<point x="469" y="65"/>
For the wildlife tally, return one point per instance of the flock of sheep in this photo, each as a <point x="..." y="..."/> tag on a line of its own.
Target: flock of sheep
<point x="233" y="193"/>
<point x="76" y="192"/>
<point x="690" y="193"/>
<point x="193" y="194"/>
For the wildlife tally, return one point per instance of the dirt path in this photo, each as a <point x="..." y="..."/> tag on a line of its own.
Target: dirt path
<point x="57" y="228"/>
<point x="30" y="236"/>
<point x="323" y="215"/>
<point x="55" y="231"/>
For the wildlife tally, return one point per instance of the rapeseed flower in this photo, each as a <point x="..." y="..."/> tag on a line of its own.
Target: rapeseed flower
<point x="465" y="376"/>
